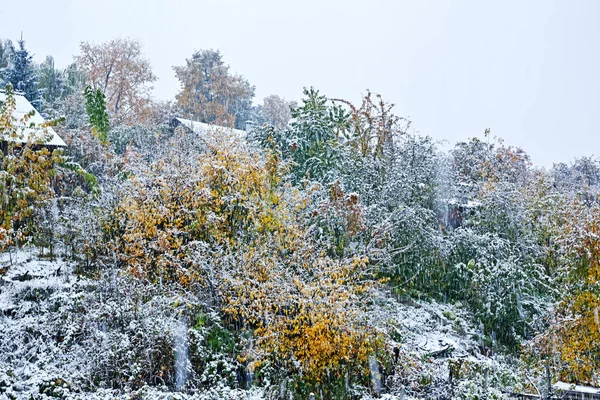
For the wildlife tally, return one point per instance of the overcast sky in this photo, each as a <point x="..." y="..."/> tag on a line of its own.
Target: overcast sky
<point x="528" y="70"/>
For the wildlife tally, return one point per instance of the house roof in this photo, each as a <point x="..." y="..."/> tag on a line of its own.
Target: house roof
<point x="567" y="387"/>
<point x="24" y="107"/>
<point x="201" y="127"/>
<point x="463" y="202"/>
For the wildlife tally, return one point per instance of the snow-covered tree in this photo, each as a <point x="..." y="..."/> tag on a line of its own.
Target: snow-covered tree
<point x="51" y="82"/>
<point x="6" y="50"/>
<point x="23" y="75"/>
<point x="210" y="93"/>
<point x="119" y="69"/>
<point x="224" y="220"/>
<point x="275" y="111"/>
<point x="26" y="171"/>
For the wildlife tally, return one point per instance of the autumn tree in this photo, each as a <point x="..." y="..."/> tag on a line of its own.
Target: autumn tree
<point x="275" y="111"/>
<point x="223" y="222"/>
<point x="26" y="170"/>
<point x="119" y="69"/>
<point x="481" y="163"/>
<point x="210" y="93"/>
<point x="574" y="333"/>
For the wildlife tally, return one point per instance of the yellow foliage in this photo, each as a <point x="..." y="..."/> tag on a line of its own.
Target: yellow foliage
<point x="225" y="223"/>
<point x="575" y="334"/>
<point x="25" y="175"/>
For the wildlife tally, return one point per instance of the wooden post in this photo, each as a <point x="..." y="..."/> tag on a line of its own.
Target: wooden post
<point x="485" y="378"/>
<point x="548" y="379"/>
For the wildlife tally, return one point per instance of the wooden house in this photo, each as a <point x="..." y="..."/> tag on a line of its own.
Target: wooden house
<point x="569" y="391"/>
<point x="201" y="127"/>
<point x="32" y="128"/>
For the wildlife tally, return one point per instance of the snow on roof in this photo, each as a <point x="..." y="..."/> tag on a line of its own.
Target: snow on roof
<point x="473" y="204"/>
<point x="575" y="388"/>
<point x="24" y="107"/>
<point x="201" y="127"/>
<point x="467" y="203"/>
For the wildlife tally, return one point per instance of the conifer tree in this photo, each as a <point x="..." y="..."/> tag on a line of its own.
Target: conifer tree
<point x="22" y="75"/>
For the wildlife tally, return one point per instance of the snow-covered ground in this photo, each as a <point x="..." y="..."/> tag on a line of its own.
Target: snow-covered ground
<point x="431" y="337"/>
<point x="53" y="333"/>
<point x="32" y="293"/>
<point x="60" y="330"/>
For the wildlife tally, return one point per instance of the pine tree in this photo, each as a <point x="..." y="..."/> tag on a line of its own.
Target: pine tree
<point x="22" y="75"/>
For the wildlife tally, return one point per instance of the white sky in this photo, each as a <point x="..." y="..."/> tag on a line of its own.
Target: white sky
<point x="529" y="70"/>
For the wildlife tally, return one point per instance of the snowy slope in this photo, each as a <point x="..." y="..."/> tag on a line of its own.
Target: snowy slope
<point x="60" y="331"/>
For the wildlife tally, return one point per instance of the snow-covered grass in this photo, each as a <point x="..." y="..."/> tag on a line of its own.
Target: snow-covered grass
<point x="69" y="336"/>
<point x="432" y="338"/>
<point x="57" y="329"/>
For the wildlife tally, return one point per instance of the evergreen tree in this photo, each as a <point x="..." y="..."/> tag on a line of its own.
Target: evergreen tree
<point x="22" y="74"/>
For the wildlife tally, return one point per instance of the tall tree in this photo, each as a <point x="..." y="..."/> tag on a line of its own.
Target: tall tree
<point x="51" y="83"/>
<point x="22" y="74"/>
<point x="75" y="79"/>
<point x="211" y="93"/>
<point x="311" y="141"/>
<point x="6" y="50"/>
<point x="119" y="69"/>
<point x="574" y="338"/>
<point x="276" y="111"/>
<point x="57" y="84"/>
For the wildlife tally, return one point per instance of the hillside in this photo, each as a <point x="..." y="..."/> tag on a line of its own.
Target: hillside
<point x="320" y="249"/>
<point x="64" y="334"/>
